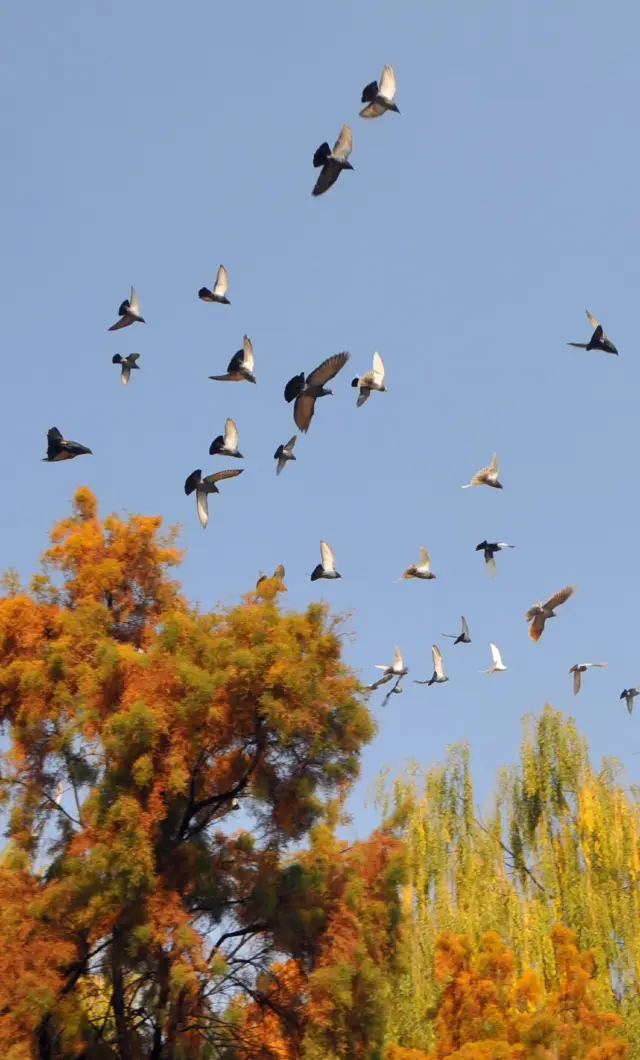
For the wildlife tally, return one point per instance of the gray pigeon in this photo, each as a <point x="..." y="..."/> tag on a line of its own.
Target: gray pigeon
<point x="332" y="162"/>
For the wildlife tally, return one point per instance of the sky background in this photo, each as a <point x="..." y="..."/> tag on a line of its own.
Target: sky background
<point x="146" y="143"/>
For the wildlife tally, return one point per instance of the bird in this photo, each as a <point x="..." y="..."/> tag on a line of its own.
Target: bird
<point x="204" y="486"/>
<point x="332" y="162"/>
<point x="278" y="573"/>
<point x="129" y="313"/>
<point x="598" y="341"/>
<point x="539" y="613"/>
<point x="486" y="476"/>
<point x="629" y="694"/>
<point x="489" y="550"/>
<point x="284" y="453"/>
<point x="240" y="366"/>
<point x="397" y="669"/>
<point x="578" y="670"/>
<point x="305" y="391"/>
<point x="421" y="569"/>
<point x="58" y="448"/>
<point x="218" y="292"/>
<point x="439" y="677"/>
<point x="380" y="97"/>
<point x="373" y="380"/>
<point x="460" y="638"/>
<point x="497" y="661"/>
<point x="327" y="568"/>
<point x="128" y="363"/>
<point x="226" y="445"/>
<point x="396" y="690"/>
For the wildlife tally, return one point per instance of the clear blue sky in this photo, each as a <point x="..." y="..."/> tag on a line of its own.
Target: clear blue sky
<point x="146" y="143"/>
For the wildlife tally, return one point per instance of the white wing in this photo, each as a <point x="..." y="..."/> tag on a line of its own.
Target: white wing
<point x="398" y="663"/>
<point x="202" y="505"/>
<point x="497" y="658"/>
<point x="378" y="369"/>
<point x="59" y="792"/>
<point x="387" y="84"/>
<point x="247" y="350"/>
<point x="222" y="282"/>
<point x="425" y="558"/>
<point x="125" y="374"/>
<point x="493" y="467"/>
<point x="327" y="556"/>
<point x="343" y="145"/>
<point x="230" y="435"/>
<point x="134" y="303"/>
<point x="437" y="661"/>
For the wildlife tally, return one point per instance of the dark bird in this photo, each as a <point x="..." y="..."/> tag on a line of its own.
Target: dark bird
<point x="129" y="313"/>
<point x="396" y="690"/>
<point x="396" y="669"/>
<point x="127" y="363"/>
<point x="305" y="391"/>
<point x="461" y="638"/>
<point x="380" y="97"/>
<point x="227" y="444"/>
<point x="327" y="568"/>
<point x="284" y="453"/>
<point x="630" y="694"/>
<point x="278" y="574"/>
<point x="421" y="569"/>
<point x="439" y="677"/>
<point x="539" y="613"/>
<point x="578" y="670"/>
<point x="598" y="341"/>
<point x="58" y="448"/>
<point x="240" y="366"/>
<point x="486" y="476"/>
<point x="218" y="292"/>
<point x="204" y="486"/>
<point x="490" y="550"/>
<point x="332" y="162"/>
<point x="373" y="380"/>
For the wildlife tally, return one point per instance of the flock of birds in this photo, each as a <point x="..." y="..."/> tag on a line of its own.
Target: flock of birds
<point x="304" y="390"/>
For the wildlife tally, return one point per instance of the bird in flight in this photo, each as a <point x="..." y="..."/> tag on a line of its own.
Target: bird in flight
<point x="422" y="569"/>
<point x="218" y="292"/>
<point x="205" y="486"/>
<point x="306" y="391"/>
<point x="58" y="448"/>
<point x="380" y="97"/>
<point x="327" y="568"/>
<point x="278" y="574"/>
<point x="460" y="638"/>
<point x="129" y="313"/>
<point x="578" y="670"/>
<point x="490" y="550"/>
<point x="240" y="366"/>
<point x="227" y="444"/>
<point x="598" y="341"/>
<point x="439" y="677"/>
<point x="629" y="694"/>
<point x="332" y="162"/>
<point x="373" y="380"/>
<point x="284" y="453"/>
<point x="539" y="613"/>
<point x="497" y="662"/>
<point x="396" y="669"/>
<point x="128" y="363"/>
<point x="486" y="476"/>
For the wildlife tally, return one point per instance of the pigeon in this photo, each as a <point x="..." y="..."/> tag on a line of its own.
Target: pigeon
<point x="218" y="292"/>
<point x="332" y="162"/>
<point x="439" y="676"/>
<point x="397" y="669"/>
<point x="380" y="97"/>
<point x="421" y="569"/>
<point x="497" y="661"/>
<point x="128" y="363"/>
<point x="129" y="313"/>
<point x="578" y="670"/>
<point x="58" y="448"/>
<point x="240" y="366"/>
<point x="226" y="445"/>
<point x="284" y="453"/>
<point x="204" y="486"/>
<point x="278" y="573"/>
<point x="373" y="380"/>
<point x="629" y="694"/>
<point x="489" y="550"/>
<point x="539" y="613"/>
<point x="460" y="638"/>
<point x="327" y="568"/>
<point x="305" y="391"/>
<point x="486" y="476"/>
<point x="396" y="690"/>
<point x="598" y="341"/>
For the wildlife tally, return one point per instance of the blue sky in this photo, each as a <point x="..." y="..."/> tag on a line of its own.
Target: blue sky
<point x="146" y="143"/>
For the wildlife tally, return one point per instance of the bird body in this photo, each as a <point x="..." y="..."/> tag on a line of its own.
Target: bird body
<point x="487" y="476"/>
<point x="539" y="613"/>
<point x="127" y="363"/>
<point x="489" y="549"/>
<point x="630" y="694"/>
<point x="227" y="444"/>
<point x="498" y="664"/>
<point x="598" y="341"/>
<point x="205" y="486"/>
<point x="129" y="313"/>
<point x="460" y="638"/>
<point x="240" y="366"/>
<point x="327" y="568"/>
<point x="396" y="669"/>
<point x="439" y="677"/>
<point x="332" y="162"/>
<point x="578" y="670"/>
<point x="380" y="98"/>
<point x="284" y="453"/>
<point x="59" y="448"/>
<point x="372" y="380"/>
<point x="305" y="391"/>
<point x="422" y="569"/>
<point x="218" y="292"/>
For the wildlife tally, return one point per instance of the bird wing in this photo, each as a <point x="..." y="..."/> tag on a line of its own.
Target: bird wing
<point x="344" y="143"/>
<point x="489" y="559"/>
<point x="327" y="556"/>
<point x="221" y="285"/>
<point x="378" y="369"/>
<point x="398" y="663"/>
<point x="560" y="597"/>
<point x="125" y="373"/>
<point x="536" y="628"/>
<point x="134" y="303"/>
<point x="248" y="358"/>
<point x="438" y="665"/>
<point x="293" y="387"/>
<point x="122" y="323"/>
<point x="328" y="369"/>
<point x="235" y="364"/>
<point x="290" y="444"/>
<point x="133" y="357"/>
<point x="577" y="680"/>
<point x="493" y="467"/>
<point x="282" y="463"/>
<point x="372" y="110"/>
<point x="465" y="627"/>
<point x="387" y="88"/>
<point x="425" y="558"/>
<point x="230" y="435"/>
<point x="279" y="572"/>
<point x="592" y="320"/>
<point x="369" y="92"/>
<point x="496" y="656"/>
<point x="326" y="178"/>
<point x="192" y="481"/>
<point x="202" y="506"/>
<point x="303" y="410"/>
<point x="363" y="396"/>
<point x="230" y="472"/>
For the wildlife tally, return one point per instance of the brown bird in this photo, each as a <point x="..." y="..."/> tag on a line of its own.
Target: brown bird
<point x="486" y="476"/>
<point x="240" y="366"/>
<point x="578" y="670"/>
<point x="306" y="391"/>
<point x="332" y="162"/>
<point x="539" y="613"/>
<point x="598" y="341"/>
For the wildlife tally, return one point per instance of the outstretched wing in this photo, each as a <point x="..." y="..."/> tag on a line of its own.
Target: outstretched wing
<point x="536" y="628"/>
<point x="363" y="396"/>
<point x="425" y="558"/>
<point x="372" y="110"/>
<point x="438" y="665"/>
<point x="221" y="285"/>
<point x="344" y="143"/>
<point x="398" y="663"/>
<point x="327" y="556"/>
<point x="560" y="597"/>
<point x="496" y="656"/>
<point x="328" y="369"/>
<point x="387" y="87"/>
<point x="230" y="435"/>
<point x="378" y="369"/>
<point x="202" y="506"/>
<point x="192" y="481"/>
<point x="303" y="410"/>
<point x="220" y="475"/>
<point x="134" y="303"/>
<point x="247" y="354"/>
<point x="326" y="178"/>
<point x="125" y="373"/>
<point x="465" y="627"/>
<point x="577" y="680"/>
<point x="592" y="320"/>
<point x="369" y="92"/>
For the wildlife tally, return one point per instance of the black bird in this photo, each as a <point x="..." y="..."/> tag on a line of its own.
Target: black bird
<point x="227" y="444"/>
<point x="129" y="313"/>
<point x="240" y="366"/>
<point x="218" y="292"/>
<point x="462" y="638"/>
<point x="204" y="486"/>
<point x="58" y="448"/>
<point x="305" y="391"/>
<point x="380" y="97"/>
<point x="332" y="162"/>
<point x="598" y="341"/>
<point x="127" y="364"/>
<point x="490" y="550"/>
<point x="284" y="453"/>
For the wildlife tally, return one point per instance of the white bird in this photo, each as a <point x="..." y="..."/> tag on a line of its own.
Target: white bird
<point x="629" y="694"/>
<point x="227" y="444"/>
<point x="327" y="568"/>
<point x="380" y="97"/>
<point x="497" y="661"/>
<point x="421" y="569"/>
<point x="439" y="677"/>
<point x="129" y="313"/>
<point x="578" y="670"/>
<point x="204" y="486"/>
<point x="240" y="366"/>
<point x="218" y="292"/>
<point x="372" y="380"/>
<point x="486" y="476"/>
<point x="397" y="669"/>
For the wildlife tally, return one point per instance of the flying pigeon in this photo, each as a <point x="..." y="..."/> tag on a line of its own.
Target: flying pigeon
<point x="380" y="97"/>
<point x="539" y="613"/>
<point x="277" y="574"/>
<point x="127" y="363"/>
<point x="129" y="313"/>
<point x="58" y="448"/>
<point x="332" y="162"/>
<point x="486" y="476"/>
<point x="218" y="292"/>
<point x="305" y="391"/>
<point x="598" y="341"/>
<point x="396" y="690"/>
<point x="578" y="670"/>
<point x="240" y="366"/>
<point x="327" y="568"/>
<point x="284" y="453"/>
<point x="497" y="661"/>
<point x="490" y="550"/>
<point x="460" y="638"/>
<point x="397" y="669"/>
<point x="439" y="676"/>
<point x="373" y="380"/>
<point x="629" y="694"/>
<point x="421" y="569"/>
<point x="226" y="445"/>
<point x="204" y="486"/>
